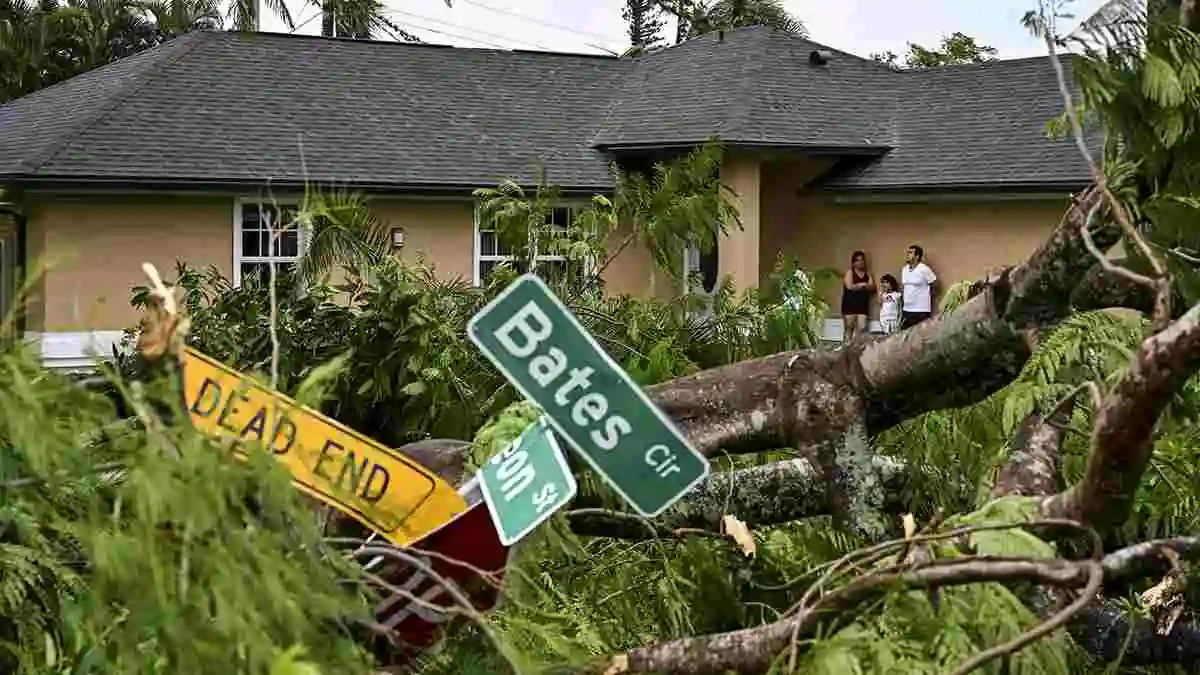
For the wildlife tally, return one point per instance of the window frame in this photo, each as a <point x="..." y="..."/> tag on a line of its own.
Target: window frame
<point x="478" y="257"/>
<point x="239" y="206"/>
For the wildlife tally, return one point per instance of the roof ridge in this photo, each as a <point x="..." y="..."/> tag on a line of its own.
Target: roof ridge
<point x="276" y="35"/>
<point x="181" y="46"/>
<point x="993" y="63"/>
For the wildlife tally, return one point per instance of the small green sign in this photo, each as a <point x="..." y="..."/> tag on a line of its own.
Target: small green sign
<point x="540" y="346"/>
<point x="527" y="483"/>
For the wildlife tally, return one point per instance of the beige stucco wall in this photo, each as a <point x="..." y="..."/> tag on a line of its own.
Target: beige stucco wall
<point x="93" y="247"/>
<point x="962" y="239"/>
<point x="738" y="249"/>
<point x="90" y="250"/>
<point x="439" y="232"/>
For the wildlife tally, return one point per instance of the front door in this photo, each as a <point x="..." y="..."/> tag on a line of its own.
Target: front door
<point x="700" y="273"/>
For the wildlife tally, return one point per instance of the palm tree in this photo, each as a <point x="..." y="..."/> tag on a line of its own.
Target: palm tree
<point x="343" y="232"/>
<point x="360" y="20"/>
<point x="697" y="17"/>
<point x="49" y="41"/>
<point x="726" y="14"/>
<point x="176" y="17"/>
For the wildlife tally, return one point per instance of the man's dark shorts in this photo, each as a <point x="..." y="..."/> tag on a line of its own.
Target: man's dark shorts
<point x="908" y="319"/>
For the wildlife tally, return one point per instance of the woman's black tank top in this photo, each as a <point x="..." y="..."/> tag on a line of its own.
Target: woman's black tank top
<point x="857" y="301"/>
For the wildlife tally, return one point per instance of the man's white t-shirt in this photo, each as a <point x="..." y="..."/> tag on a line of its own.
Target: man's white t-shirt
<point x="917" y="281"/>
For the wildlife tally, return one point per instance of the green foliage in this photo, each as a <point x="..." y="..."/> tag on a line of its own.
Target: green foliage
<point x="1139" y="81"/>
<point x="45" y="42"/>
<point x="130" y="546"/>
<point x="699" y="17"/>
<point x="955" y="49"/>
<point x="344" y="232"/>
<point x="645" y="24"/>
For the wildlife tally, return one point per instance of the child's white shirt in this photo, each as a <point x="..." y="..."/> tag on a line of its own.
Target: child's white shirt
<point x="889" y="306"/>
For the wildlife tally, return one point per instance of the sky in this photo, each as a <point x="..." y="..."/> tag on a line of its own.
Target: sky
<point x="595" y="26"/>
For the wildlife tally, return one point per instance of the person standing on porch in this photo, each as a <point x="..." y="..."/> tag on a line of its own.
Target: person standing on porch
<point x="889" y="304"/>
<point x="917" y="279"/>
<point x="857" y="289"/>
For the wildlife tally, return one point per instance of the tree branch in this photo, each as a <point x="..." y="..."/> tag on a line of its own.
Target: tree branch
<point x="763" y="495"/>
<point x="1102" y="630"/>
<point x="752" y="650"/>
<point x="1123" y="434"/>
<point x="803" y="397"/>
<point x="1032" y="468"/>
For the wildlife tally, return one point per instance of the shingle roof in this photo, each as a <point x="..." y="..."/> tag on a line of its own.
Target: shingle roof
<point x="218" y="107"/>
<point x="982" y="125"/>
<point x="230" y="106"/>
<point x="751" y="86"/>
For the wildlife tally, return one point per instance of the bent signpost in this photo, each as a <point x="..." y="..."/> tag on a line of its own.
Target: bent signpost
<point x="526" y="483"/>
<point x="381" y="488"/>
<point x="457" y="552"/>
<point x="550" y="358"/>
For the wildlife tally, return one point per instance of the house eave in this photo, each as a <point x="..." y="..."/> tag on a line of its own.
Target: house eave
<point x="865" y="150"/>
<point x="185" y="185"/>
<point x="978" y="191"/>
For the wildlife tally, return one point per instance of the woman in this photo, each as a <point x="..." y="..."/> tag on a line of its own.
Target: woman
<point x="857" y="289"/>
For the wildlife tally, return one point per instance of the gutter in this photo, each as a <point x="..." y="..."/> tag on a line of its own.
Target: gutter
<point x="957" y="188"/>
<point x="248" y="185"/>
<point x="864" y="150"/>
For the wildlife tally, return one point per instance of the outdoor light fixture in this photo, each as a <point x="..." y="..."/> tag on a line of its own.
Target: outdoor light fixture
<point x="397" y="237"/>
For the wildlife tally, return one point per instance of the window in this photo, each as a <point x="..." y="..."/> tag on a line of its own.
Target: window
<point x="263" y="234"/>
<point x="490" y="252"/>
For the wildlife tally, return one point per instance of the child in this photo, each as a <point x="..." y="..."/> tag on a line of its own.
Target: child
<point x="889" y="304"/>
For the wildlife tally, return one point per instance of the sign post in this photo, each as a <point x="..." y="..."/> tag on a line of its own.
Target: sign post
<point x="550" y="358"/>
<point x="527" y="483"/>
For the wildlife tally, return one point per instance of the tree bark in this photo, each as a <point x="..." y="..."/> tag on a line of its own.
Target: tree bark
<point x="1123" y="434"/>
<point x="773" y="493"/>
<point x="1102" y="630"/>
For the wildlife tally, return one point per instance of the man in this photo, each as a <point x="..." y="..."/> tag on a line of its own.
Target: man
<point x="917" y="279"/>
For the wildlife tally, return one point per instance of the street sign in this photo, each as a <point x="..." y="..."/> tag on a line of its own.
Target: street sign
<point x="527" y="483"/>
<point x="375" y="485"/>
<point x="541" y="348"/>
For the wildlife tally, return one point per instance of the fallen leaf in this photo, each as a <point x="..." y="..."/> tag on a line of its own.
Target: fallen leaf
<point x="740" y="533"/>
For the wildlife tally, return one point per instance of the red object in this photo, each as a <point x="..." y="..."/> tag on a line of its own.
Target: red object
<point x="470" y="538"/>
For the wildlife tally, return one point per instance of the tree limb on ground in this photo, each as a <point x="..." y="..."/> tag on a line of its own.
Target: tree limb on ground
<point x="1102" y="630"/>
<point x="774" y="493"/>
<point x="753" y="650"/>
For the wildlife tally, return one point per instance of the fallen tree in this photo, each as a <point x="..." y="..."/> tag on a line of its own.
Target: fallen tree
<point x="830" y="409"/>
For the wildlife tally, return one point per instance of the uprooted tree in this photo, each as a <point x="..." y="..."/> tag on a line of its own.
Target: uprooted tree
<point x="865" y="511"/>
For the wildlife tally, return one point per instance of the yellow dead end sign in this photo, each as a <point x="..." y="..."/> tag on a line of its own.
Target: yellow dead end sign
<point x="379" y="487"/>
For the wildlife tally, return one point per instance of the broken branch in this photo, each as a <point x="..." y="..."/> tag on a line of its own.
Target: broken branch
<point x="1122" y="437"/>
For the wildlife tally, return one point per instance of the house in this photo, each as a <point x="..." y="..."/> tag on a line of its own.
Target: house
<point x="166" y="154"/>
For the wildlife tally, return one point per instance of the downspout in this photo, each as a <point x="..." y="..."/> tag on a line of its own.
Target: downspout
<point x="18" y="216"/>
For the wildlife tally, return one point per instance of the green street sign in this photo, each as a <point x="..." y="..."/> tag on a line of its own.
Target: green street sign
<point x="526" y="483"/>
<point x="541" y="348"/>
